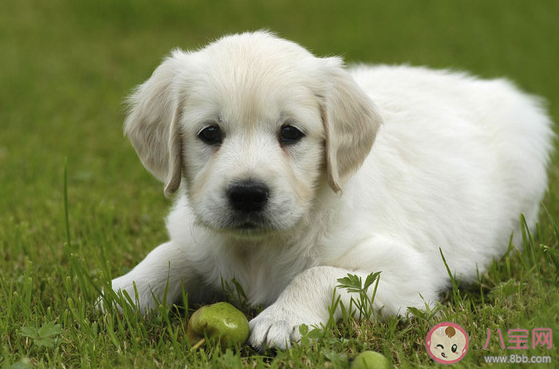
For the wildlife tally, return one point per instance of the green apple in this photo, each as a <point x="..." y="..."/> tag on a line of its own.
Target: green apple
<point x="221" y="321"/>
<point x="370" y="360"/>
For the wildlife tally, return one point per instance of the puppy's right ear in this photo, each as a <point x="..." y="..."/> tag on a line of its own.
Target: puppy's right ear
<point x="152" y="123"/>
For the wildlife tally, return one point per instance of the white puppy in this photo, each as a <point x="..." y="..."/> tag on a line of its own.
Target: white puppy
<point x="292" y="172"/>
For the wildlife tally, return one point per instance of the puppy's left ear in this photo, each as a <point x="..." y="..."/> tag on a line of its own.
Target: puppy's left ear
<point x="351" y="121"/>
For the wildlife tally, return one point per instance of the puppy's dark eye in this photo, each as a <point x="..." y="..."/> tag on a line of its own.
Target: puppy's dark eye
<point x="211" y="135"/>
<point x="289" y="135"/>
<point x="454" y="348"/>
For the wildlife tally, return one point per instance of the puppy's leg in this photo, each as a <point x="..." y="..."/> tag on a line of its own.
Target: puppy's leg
<point x="308" y="296"/>
<point x="160" y="275"/>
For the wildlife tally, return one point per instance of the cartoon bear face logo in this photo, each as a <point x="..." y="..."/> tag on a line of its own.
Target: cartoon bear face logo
<point x="447" y="343"/>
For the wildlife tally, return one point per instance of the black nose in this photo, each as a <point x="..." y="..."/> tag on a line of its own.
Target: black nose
<point x="248" y="196"/>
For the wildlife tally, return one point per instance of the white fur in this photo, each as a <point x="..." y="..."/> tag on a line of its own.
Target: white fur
<point x="454" y="163"/>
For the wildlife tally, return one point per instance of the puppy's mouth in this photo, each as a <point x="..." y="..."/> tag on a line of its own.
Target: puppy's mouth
<point x="249" y="224"/>
<point x="254" y="225"/>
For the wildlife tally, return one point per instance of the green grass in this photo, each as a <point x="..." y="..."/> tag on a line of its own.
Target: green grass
<point x="65" y="67"/>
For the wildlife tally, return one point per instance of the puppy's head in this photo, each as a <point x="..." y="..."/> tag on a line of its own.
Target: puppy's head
<point x="250" y="124"/>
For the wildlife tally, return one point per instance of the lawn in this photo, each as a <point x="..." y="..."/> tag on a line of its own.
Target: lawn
<point x="77" y="208"/>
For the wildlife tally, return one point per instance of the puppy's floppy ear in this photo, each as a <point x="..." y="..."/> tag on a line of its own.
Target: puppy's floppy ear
<point x="152" y="124"/>
<point x="351" y="122"/>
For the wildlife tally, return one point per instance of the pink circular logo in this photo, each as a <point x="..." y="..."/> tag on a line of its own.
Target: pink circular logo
<point x="447" y="343"/>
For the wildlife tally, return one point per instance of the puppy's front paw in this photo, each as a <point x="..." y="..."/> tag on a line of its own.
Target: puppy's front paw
<point x="127" y="291"/>
<point x="109" y="297"/>
<point x="278" y="326"/>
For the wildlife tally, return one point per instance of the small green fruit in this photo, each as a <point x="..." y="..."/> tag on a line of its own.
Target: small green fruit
<point x="222" y="321"/>
<point x="370" y="360"/>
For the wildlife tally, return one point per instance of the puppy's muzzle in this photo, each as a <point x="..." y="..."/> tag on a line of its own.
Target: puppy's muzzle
<point x="248" y="196"/>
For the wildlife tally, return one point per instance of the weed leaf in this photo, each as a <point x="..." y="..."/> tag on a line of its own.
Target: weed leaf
<point x="45" y="336"/>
